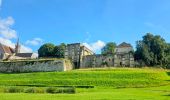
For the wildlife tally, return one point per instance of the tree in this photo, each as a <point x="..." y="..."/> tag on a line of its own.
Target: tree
<point x="60" y="50"/>
<point x="46" y="50"/>
<point x="109" y="48"/>
<point x="152" y="50"/>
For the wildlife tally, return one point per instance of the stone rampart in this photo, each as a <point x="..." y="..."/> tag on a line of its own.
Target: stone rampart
<point x="35" y="65"/>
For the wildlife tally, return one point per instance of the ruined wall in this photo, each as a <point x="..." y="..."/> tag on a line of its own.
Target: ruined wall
<point x="97" y="61"/>
<point x="117" y="60"/>
<point x="35" y="66"/>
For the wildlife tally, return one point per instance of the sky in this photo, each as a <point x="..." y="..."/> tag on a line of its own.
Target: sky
<point x="90" y="22"/>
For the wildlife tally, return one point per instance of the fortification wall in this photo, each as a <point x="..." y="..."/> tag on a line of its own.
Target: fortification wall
<point x="35" y="66"/>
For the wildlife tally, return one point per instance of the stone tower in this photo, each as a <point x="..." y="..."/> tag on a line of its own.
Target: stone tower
<point x="17" y="47"/>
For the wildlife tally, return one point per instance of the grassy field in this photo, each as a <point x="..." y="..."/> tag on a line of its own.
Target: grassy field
<point x="109" y="84"/>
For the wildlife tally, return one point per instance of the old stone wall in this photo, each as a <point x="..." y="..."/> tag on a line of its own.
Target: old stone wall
<point x="35" y="66"/>
<point x="117" y="60"/>
<point x="97" y="61"/>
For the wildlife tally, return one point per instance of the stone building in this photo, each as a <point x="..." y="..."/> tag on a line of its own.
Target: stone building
<point x="75" y="52"/>
<point x="9" y="53"/>
<point x="6" y="51"/>
<point x="82" y="57"/>
<point x="124" y="55"/>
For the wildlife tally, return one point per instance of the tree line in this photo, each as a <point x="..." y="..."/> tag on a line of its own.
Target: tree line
<point x="152" y="50"/>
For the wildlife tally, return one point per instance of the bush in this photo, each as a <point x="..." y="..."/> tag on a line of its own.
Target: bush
<point x="30" y="90"/>
<point x="69" y="90"/>
<point x="14" y="90"/>
<point x="60" y="90"/>
<point x="51" y="90"/>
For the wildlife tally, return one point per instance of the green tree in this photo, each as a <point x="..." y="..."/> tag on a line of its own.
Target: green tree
<point x="108" y="48"/>
<point x="60" y="50"/>
<point x="46" y="50"/>
<point x="152" y="50"/>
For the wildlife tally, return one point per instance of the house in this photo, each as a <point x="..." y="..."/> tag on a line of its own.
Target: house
<point x="5" y="51"/>
<point x="9" y="53"/>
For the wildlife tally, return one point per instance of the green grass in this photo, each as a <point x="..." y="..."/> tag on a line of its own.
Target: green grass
<point x="154" y="93"/>
<point x="116" y="77"/>
<point x="109" y="84"/>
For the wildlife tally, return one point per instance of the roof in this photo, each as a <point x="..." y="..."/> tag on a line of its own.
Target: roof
<point x="7" y="49"/>
<point x="124" y="44"/>
<point x="74" y="44"/>
<point x="24" y="54"/>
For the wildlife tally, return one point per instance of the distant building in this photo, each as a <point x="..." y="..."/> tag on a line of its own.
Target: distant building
<point x="82" y="57"/>
<point x="75" y="52"/>
<point x="8" y="53"/>
<point x="124" y="55"/>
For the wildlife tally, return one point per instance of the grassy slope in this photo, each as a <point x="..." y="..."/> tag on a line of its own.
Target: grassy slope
<point x="111" y="77"/>
<point x="118" y="77"/>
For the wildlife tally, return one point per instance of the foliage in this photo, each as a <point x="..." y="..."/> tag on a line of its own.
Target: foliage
<point x="30" y="90"/>
<point x="46" y="50"/>
<point x="55" y="90"/>
<point x="50" y="50"/>
<point x="60" y="50"/>
<point x="13" y="90"/>
<point x="108" y="48"/>
<point x="152" y="50"/>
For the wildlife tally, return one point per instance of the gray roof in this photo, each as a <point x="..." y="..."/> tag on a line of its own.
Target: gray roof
<point x="124" y="45"/>
<point x="24" y="54"/>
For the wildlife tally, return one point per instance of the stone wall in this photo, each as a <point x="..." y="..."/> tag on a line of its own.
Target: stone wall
<point x="117" y="60"/>
<point x="35" y="66"/>
<point x="97" y="61"/>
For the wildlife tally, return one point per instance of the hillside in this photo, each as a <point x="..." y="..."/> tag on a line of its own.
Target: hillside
<point x="117" y="77"/>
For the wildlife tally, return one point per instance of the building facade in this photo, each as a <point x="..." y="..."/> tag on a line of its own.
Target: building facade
<point x="124" y="55"/>
<point x="75" y="52"/>
<point x="82" y="57"/>
<point x="9" y="53"/>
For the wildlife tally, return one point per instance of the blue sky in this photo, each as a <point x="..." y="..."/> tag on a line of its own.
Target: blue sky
<point x="92" y="22"/>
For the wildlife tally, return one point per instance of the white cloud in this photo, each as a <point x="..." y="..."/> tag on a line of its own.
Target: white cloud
<point x="35" y="41"/>
<point x="25" y="49"/>
<point x="6" y="34"/>
<point x="5" y="28"/>
<point x="96" y="46"/>
<point x="11" y="44"/>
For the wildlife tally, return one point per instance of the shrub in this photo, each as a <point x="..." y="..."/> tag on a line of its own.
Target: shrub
<point x="14" y="90"/>
<point x="51" y="90"/>
<point x="69" y="90"/>
<point x="60" y="90"/>
<point x="30" y="90"/>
